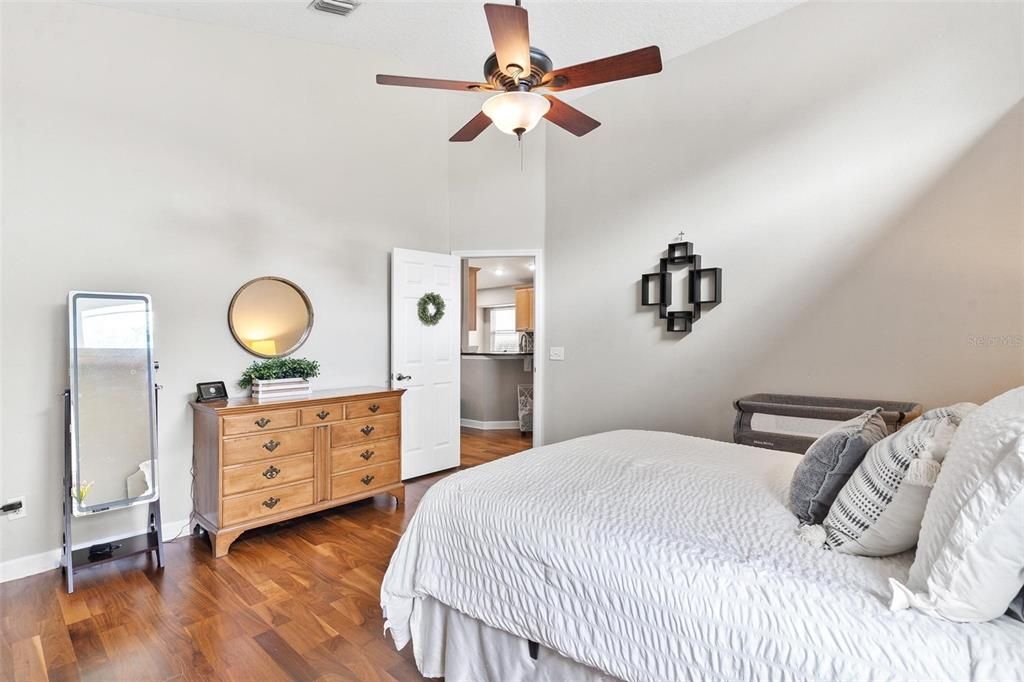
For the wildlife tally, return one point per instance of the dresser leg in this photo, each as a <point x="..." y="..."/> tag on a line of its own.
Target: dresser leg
<point x="221" y="541"/>
<point x="399" y="495"/>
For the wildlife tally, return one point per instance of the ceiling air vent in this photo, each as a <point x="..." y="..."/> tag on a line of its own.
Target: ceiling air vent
<point x="342" y="7"/>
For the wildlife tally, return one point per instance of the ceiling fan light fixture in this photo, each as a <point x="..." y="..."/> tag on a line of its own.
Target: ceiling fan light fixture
<point x="516" y="112"/>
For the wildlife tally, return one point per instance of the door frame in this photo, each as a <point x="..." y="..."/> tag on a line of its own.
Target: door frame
<point x="539" y="346"/>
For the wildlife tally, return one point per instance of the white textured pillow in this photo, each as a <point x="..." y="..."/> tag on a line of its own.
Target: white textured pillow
<point x="970" y="556"/>
<point x="956" y="412"/>
<point x="878" y="512"/>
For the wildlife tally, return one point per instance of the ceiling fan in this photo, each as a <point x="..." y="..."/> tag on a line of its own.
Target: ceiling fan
<point x="516" y="70"/>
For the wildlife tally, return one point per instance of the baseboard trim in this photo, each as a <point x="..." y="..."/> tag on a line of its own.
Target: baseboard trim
<point x="490" y="426"/>
<point x="23" y="567"/>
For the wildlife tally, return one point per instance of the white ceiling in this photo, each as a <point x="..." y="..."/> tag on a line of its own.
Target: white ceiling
<point x="503" y="272"/>
<point x="451" y="39"/>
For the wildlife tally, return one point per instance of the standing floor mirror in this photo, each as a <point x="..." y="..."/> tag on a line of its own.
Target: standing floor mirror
<point x="110" y="443"/>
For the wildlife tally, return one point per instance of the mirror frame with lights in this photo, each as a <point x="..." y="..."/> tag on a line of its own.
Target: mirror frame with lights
<point x="302" y="339"/>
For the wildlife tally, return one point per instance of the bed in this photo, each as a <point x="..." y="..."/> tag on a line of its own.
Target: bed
<point x="642" y="555"/>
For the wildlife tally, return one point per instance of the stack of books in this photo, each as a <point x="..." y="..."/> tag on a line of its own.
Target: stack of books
<point x="274" y="389"/>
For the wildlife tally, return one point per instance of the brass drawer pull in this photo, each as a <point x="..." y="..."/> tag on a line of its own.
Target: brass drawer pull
<point x="271" y="502"/>
<point x="367" y="479"/>
<point x="374" y="407"/>
<point x="261" y="422"/>
<point x="271" y="472"/>
<point x="367" y="430"/>
<point x="323" y="414"/>
<point x="271" y="445"/>
<point x="366" y="454"/>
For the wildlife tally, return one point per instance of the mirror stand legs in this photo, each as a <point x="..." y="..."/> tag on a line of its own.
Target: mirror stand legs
<point x="155" y="525"/>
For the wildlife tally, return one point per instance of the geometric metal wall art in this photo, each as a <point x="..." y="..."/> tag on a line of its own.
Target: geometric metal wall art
<point x="703" y="287"/>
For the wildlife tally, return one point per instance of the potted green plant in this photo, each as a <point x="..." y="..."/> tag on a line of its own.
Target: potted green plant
<point x="279" y="377"/>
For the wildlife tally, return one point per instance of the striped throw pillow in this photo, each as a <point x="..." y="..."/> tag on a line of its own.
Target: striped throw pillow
<point x="879" y="510"/>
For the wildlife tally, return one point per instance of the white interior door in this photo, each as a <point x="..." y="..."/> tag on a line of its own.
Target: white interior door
<point x="425" y="360"/>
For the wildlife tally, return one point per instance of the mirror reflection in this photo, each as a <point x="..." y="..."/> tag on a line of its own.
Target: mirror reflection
<point x="270" y="317"/>
<point x="113" y="410"/>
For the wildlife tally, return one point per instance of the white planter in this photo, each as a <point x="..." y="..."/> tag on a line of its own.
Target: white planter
<point x="272" y="389"/>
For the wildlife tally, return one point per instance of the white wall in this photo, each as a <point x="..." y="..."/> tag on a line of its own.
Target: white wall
<point x="180" y="159"/>
<point x="494" y="203"/>
<point x="855" y="169"/>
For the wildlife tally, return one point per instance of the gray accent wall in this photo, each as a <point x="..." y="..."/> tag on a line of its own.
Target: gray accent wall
<point x="489" y="390"/>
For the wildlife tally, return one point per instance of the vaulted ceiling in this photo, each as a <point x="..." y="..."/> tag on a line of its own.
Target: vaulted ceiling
<point x="451" y="40"/>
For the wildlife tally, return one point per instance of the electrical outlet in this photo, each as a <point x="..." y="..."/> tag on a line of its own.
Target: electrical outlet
<point x="556" y="353"/>
<point x="15" y="515"/>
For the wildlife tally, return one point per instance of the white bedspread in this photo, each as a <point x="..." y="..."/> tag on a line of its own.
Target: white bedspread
<point x="655" y="556"/>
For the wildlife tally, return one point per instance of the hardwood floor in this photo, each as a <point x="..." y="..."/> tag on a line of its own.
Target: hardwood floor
<point x="295" y="604"/>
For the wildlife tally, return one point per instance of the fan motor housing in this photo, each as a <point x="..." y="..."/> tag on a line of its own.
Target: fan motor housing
<point x="540" y="66"/>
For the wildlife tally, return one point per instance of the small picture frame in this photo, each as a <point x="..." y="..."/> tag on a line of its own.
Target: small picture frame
<point x="211" y="390"/>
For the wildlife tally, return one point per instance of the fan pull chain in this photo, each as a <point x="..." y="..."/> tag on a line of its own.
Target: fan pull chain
<point x="520" y="136"/>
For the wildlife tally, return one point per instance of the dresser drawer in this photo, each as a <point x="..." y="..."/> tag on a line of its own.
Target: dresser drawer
<point x="260" y="421"/>
<point x="360" y="430"/>
<point x="267" y="502"/>
<point x="267" y="445"/>
<point x="355" y="456"/>
<point x="372" y="408"/>
<point x="323" y="414"/>
<point x="354" y="482"/>
<point x="267" y="474"/>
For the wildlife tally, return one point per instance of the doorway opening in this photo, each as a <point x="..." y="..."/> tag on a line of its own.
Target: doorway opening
<point x="501" y="390"/>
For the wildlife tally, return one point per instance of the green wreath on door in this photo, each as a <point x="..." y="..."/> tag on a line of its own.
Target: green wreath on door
<point x="430" y="308"/>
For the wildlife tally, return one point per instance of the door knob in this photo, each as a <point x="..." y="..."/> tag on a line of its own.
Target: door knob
<point x="402" y="377"/>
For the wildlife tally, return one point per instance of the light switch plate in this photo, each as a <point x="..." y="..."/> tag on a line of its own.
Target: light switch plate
<point x="556" y="353"/>
<point x="15" y="515"/>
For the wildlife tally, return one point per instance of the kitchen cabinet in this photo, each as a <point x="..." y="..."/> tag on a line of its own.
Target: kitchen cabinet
<point x="469" y="310"/>
<point x="524" y="309"/>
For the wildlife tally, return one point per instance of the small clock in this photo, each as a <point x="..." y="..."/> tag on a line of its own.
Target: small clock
<point x="211" y="390"/>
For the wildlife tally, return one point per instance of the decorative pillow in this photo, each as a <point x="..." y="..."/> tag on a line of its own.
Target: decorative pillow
<point x="970" y="557"/>
<point x="829" y="462"/>
<point x="1016" y="610"/>
<point x="956" y="412"/>
<point x="878" y="512"/>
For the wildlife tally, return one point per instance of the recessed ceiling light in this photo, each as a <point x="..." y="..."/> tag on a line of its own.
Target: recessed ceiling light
<point x="499" y="271"/>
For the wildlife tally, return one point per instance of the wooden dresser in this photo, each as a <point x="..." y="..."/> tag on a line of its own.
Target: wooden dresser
<point x="257" y="464"/>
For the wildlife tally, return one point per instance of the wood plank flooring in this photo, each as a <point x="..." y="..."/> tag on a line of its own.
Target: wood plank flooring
<point x="295" y="601"/>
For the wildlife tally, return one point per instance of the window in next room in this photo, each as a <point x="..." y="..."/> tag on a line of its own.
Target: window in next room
<point x="504" y="338"/>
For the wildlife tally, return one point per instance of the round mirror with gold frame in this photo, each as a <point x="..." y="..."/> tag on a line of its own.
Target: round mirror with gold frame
<point x="270" y="317"/>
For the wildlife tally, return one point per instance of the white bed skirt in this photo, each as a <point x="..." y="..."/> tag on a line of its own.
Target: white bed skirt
<point x="459" y="648"/>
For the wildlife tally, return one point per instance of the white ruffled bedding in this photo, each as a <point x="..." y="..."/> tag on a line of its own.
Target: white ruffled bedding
<point x="655" y="556"/>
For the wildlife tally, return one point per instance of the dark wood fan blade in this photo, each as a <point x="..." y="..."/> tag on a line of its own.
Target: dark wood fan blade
<point x="510" y="32"/>
<point x="468" y="132"/>
<point x="642" y="62"/>
<point x="570" y="118"/>
<point x="436" y="83"/>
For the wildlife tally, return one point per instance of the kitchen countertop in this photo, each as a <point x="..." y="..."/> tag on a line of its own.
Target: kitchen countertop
<point x="496" y="355"/>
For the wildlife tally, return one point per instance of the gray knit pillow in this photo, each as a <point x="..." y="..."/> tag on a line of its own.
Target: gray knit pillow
<point x="829" y="462"/>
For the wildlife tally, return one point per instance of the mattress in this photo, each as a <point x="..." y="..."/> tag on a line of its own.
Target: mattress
<point x="656" y="556"/>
